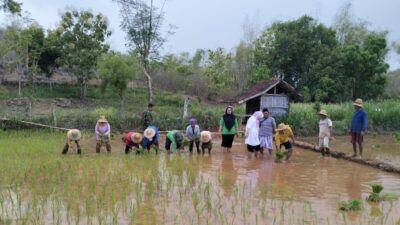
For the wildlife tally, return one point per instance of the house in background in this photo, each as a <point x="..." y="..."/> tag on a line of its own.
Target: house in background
<point x="271" y="94"/>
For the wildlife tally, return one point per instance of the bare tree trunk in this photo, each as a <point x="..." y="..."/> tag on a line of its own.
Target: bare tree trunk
<point x="19" y="85"/>
<point x="149" y="85"/>
<point x="82" y="93"/>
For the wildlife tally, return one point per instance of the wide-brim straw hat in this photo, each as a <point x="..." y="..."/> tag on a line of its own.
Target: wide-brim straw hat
<point x="74" y="134"/>
<point x="149" y="133"/>
<point x="281" y="126"/>
<point x="102" y="119"/>
<point x="358" y="102"/>
<point x="323" y="112"/>
<point x="136" y="138"/>
<point x="205" y="136"/>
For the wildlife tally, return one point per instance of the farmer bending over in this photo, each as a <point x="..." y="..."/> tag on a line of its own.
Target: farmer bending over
<point x="73" y="135"/>
<point x="282" y="138"/>
<point x="103" y="131"/>
<point x="175" y="140"/>
<point x="206" y="142"/>
<point x="132" y="139"/>
<point x="150" y="138"/>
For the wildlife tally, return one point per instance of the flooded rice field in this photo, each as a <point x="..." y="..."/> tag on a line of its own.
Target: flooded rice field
<point x="40" y="186"/>
<point x="380" y="147"/>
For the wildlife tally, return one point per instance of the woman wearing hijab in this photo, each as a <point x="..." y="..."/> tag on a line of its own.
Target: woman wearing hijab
<point x="252" y="133"/>
<point x="228" y="126"/>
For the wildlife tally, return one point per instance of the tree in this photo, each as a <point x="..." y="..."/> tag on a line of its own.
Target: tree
<point x="364" y="66"/>
<point x="142" y="23"/>
<point x="10" y="6"/>
<point x="348" y="29"/>
<point x="219" y="72"/>
<point x="291" y="50"/>
<point x="82" y="37"/>
<point x="393" y="83"/>
<point x="115" y="72"/>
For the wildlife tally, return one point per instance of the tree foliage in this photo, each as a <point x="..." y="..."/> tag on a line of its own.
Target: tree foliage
<point x="115" y="72"/>
<point x="82" y="37"/>
<point x="11" y="6"/>
<point x="142" y="22"/>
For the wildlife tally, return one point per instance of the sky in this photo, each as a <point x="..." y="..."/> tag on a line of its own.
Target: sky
<point x="208" y="24"/>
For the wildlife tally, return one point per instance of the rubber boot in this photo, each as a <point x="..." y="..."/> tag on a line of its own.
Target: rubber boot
<point x="65" y="149"/>
<point x="79" y="151"/>
<point x="98" y="146"/>
<point x="108" y="147"/>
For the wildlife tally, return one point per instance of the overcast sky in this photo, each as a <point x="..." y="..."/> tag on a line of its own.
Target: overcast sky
<point x="218" y="23"/>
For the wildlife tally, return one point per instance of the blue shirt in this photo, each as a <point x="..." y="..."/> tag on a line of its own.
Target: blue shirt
<point x="154" y="141"/>
<point x="359" y="121"/>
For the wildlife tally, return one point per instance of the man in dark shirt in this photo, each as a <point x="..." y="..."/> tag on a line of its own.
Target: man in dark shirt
<point x="358" y="126"/>
<point x="147" y="117"/>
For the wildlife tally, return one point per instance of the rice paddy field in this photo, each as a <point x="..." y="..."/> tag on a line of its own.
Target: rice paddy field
<point x="38" y="185"/>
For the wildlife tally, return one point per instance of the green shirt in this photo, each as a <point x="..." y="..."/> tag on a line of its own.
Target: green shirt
<point x="170" y="136"/>
<point x="225" y="130"/>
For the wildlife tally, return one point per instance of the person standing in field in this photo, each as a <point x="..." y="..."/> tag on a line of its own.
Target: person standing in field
<point x="252" y="133"/>
<point x="282" y="138"/>
<point x="147" y="116"/>
<point x="132" y="140"/>
<point x="150" y="138"/>
<point x="73" y="135"/>
<point x="325" y="133"/>
<point x="228" y="127"/>
<point x="267" y="130"/>
<point x="193" y="134"/>
<point x="358" y="126"/>
<point x="103" y="130"/>
<point x="174" y="140"/>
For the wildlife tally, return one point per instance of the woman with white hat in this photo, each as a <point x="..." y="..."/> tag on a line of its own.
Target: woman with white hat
<point x="73" y="135"/>
<point x="325" y="132"/>
<point x="206" y="142"/>
<point x="132" y="139"/>
<point x="103" y="130"/>
<point x="150" y="138"/>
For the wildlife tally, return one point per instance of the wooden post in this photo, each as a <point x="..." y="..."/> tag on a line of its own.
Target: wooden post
<point x="185" y="108"/>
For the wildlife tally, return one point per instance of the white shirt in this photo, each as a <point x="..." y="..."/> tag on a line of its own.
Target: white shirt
<point x="253" y="130"/>
<point x="324" y="127"/>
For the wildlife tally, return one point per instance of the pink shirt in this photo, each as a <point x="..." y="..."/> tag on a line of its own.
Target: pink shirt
<point x="102" y="130"/>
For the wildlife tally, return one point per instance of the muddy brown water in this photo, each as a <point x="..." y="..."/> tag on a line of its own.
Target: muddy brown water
<point x="380" y="147"/>
<point x="307" y="179"/>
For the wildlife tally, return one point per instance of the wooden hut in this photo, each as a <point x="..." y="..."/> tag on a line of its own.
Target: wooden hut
<point x="271" y="94"/>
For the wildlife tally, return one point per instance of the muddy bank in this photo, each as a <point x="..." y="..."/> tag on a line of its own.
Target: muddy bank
<point x="386" y="166"/>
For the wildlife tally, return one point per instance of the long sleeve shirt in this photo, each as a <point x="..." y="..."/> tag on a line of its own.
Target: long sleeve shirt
<point x="193" y="132"/>
<point x="359" y="122"/>
<point x="102" y="130"/>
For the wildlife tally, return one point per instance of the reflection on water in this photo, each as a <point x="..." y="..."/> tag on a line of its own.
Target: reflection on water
<point x="221" y="188"/>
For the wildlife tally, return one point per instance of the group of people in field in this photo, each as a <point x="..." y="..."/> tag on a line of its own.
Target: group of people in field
<point x="261" y="133"/>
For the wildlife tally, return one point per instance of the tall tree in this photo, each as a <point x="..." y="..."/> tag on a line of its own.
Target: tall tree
<point x="142" y="22"/>
<point x="289" y="50"/>
<point x="115" y="72"/>
<point x="219" y="72"/>
<point x="11" y="6"/>
<point x="83" y="40"/>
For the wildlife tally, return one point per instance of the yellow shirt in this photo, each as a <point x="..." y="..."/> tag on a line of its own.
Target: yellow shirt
<point x="282" y="138"/>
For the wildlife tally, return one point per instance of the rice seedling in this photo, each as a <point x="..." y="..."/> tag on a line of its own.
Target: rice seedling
<point x="351" y="205"/>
